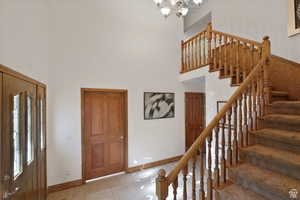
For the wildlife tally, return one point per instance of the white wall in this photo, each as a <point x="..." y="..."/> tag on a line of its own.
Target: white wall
<point x="125" y="45"/>
<point x="24" y="37"/>
<point x="253" y="19"/>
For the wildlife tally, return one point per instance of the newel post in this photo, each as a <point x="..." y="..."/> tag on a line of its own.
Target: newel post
<point x="162" y="185"/>
<point x="209" y="38"/>
<point x="266" y="53"/>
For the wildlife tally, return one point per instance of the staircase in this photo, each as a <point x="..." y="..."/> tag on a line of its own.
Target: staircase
<point x="270" y="166"/>
<point x="251" y="149"/>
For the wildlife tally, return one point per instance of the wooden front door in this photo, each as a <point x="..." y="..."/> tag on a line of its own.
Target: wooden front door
<point x="105" y="128"/>
<point x="19" y="139"/>
<point x="194" y="117"/>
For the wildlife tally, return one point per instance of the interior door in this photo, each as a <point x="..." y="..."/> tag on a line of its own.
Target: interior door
<point x="19" y="139"/>
<point x="194" y="116"/>
<point x="41" y="144"/>
<point x="104" y="134"/>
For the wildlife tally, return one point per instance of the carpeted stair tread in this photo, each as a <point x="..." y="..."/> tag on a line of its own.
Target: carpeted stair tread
<point x="283" y="162"/>
<point x="264" y="182"/>
<point x="236" y="192"/>
<point x="284" y="136"/>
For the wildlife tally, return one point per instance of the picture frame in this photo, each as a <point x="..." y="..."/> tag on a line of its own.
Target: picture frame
<point x="293" y="17"/>
<point x="159" y="105"/>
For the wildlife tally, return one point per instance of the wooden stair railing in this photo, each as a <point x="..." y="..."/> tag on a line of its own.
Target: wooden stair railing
<point x="233" y="56"/>
<point x="220" y="144"/>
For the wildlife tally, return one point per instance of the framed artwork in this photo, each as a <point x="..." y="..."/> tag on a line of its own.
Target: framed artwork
<point x="294" y="17"/>
<point x="159" y="105"/>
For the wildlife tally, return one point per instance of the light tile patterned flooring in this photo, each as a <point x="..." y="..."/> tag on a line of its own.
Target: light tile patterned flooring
<point x="135" y="186"/>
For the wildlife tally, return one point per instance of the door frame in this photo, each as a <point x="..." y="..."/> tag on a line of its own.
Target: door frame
<point x="185" y="116"/>
<point x="83" y="142"/>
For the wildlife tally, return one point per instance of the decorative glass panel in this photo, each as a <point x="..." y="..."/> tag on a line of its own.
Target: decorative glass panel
<point x="30" y="149"/>
<point x="42" y="132"/>
<point x="18" y="167"/>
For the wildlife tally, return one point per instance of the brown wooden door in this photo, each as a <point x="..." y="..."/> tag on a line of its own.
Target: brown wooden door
<point x="19" y="139"/>
<point x="194" y="116"/>
<point x="104" y="133"/>
<point x="41" y="144"/>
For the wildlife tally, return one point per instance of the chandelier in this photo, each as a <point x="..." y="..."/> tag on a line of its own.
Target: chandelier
<point x="179" y="7"/>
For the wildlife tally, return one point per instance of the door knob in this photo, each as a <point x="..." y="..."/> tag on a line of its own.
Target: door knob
<point x="122" y="138"/>
<point x="7" y="195"/>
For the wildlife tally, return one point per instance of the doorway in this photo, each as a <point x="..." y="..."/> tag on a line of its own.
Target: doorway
<point x="104" y="132"/>
<point x="194" y="117"/>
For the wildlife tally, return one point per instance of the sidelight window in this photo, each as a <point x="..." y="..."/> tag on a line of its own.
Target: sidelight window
<point x="17" y="153"/>
<point x="30" y="147"/>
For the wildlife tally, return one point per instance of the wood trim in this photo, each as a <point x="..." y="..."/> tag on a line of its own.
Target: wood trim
<point x="153" y="164"/>
<point x="64" y="186"/>
<point x="16" y="74"/>
<point x="83" y="143"/>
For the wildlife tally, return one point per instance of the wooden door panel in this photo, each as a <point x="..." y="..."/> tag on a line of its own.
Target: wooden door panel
<point x="104" y="133"/>
<point x="194" y="116"/>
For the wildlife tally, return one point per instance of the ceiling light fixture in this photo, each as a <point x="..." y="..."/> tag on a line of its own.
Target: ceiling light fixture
<point x="180" y="7"/>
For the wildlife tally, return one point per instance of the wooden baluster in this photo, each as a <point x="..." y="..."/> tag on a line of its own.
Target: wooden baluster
<point x="250" y="111"/>
<point x="190" y="56"/>
<point x="209" y="168"/>
<point x="217" y="170"/>
<point x="194" y="177"/>
<point x="241" y="134"/>
<point x="252" y="51"/>
<point x="187" y="56"/>
<point x="204" y="49"/>
<point x="215" y="53"/>
<point x="229" y="148"/>
<point x="245" y="119"/>
<point x="223" y="160"/>
<point x="221" y="66"/>
<point x="235" y="143"/>
<point x="182" y="56"/>
<point x="185" y="173"/>
<point x="209" y="38"/>
<point x="175" y="186"/>
<point x="197" y="51"/>
<point x="238" y="73"/>
<point x="193" y="53"/>
<point x="225" y="56"/>
<point x="262" y="92"/>
<point x="162" y="185"/>
<point x="254" y="89"/>
<point x="245" y="59"/>
<point x="202" y="173"/>
<point x="232" y="57"/>
<point x="200" y="49"/>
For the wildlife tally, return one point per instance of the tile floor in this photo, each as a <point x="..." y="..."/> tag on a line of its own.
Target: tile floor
<point x="135" y="186"/>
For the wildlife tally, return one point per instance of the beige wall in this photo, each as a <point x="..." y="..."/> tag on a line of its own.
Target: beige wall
<point x="24" y="37"/>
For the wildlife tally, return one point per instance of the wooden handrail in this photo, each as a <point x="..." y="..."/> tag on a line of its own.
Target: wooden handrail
<point x="258" y="44"/>
<point x="208" y="130"/>
<point x="194" y="37"/>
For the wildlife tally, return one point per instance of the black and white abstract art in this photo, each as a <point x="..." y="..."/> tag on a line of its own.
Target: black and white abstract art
<point x="159" y="105"/>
